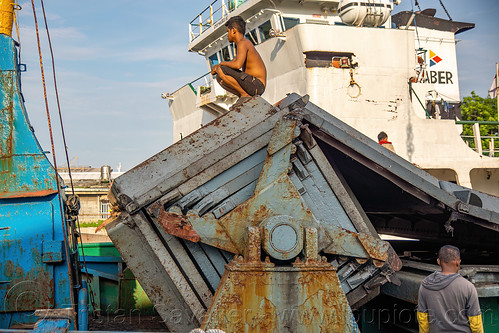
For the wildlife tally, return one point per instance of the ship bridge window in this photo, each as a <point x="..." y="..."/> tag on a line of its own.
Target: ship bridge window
<point x="214" y="60"/>
<point x="252" y="36"/>
<point x="226" y="54"/>
<point x="328" y="59"/>
<point x="290" y="22"/>
<point x="265" y="30"/>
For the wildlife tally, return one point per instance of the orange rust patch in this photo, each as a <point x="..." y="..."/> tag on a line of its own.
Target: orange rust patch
<point x="178" y="225"/>
<point x="43" y="193"/>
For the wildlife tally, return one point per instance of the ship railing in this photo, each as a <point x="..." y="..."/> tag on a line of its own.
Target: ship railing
<point x="218" y="10"/>
<point x="482" y="144"/>
<point x="203" y="83"/>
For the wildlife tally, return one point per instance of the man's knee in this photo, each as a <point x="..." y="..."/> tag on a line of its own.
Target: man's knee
<point x="224" y="69"/>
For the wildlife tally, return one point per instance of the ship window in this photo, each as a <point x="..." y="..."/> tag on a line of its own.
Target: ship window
<point x="233" y="50"/>
<point x="252" y="36"/>
<point x="325" y="59"/>
<point x="265" y="30"/>
<point x="225" y="54"/>
<point x="290" y="22"/>
<point x="214" y="60"/>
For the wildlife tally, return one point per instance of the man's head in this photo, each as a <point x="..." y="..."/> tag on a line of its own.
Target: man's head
<point x="235" y="25"/>
<point x="449" y="258"/>
<point x="382" y="136"/>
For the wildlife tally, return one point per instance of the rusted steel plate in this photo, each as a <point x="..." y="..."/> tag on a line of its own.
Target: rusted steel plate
<point x="266" y="299"/>
<point x="24" y="170"/>
<point x="11" y="195"/>
<point x="28" y="281"/>
<point x="177" y="225"/>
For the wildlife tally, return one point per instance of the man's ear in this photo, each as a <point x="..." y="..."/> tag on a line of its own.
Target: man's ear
<point x="438" y="261"/>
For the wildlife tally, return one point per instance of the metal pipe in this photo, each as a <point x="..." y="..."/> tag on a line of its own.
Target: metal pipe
<point x="480" y="122"/>
<point x="83" y="307"/>
<point x="477" y="138"/>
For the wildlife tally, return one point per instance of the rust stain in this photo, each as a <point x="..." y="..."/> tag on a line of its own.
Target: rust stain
<point x="243" y="301"/>
<point x="28" y="290"/>
<point x="258" y="298"/>
<point x="6" y="126"/>
<point x="178" y="225"/>
<point x="377" y="249"/>
<point x="394" y="260"/>
<point x="32" y="194"/>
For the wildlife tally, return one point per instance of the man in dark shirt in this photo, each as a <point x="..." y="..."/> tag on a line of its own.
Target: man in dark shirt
<point x="447" y="302"/>
<point x="251" y="80"/>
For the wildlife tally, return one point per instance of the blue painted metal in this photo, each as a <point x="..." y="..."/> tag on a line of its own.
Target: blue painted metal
<point x="83" y="307"/>
<point x="33" y="270"/>
<point x="52" y="325"/>
<point x="25" y="170"/>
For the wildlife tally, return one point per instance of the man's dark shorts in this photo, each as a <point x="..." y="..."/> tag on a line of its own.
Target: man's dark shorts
<point x="249" y="83"/>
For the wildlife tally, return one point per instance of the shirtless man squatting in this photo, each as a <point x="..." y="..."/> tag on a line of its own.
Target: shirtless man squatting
<point x="246" y="75"/>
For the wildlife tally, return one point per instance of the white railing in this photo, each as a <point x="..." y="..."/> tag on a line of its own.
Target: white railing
<point x="218" y="10"/>
<point x="481" y="144"/>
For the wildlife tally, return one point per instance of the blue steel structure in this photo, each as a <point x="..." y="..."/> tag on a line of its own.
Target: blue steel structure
<point x="33" y="261"/>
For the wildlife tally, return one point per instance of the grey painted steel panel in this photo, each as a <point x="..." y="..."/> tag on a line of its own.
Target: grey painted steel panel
<point x="170" y="267"/>
<point x="343" y="193"/>
<point x="146" y="266"/>
<point x="216" y="258"/>
<point x="204" y="264"/>
<point x="328" y="207"/>
<point x="153" y="178"/>
<point x="188" y="268"/>
<point x="234" y="200"/>
<point x="484" y="277"/>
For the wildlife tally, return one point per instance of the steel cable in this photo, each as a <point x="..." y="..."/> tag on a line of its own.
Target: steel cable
<point x="70" y="275"/>
<point x="445" y="9"/>
<point x="71" y="200"/>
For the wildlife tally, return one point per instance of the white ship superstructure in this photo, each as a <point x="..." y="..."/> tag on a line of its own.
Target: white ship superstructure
<point x="376" y="72"/>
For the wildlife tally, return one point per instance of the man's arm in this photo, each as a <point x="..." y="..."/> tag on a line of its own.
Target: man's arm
<point x="476" y="324"/>
<point x="422" y="313"/>
<point x="238" y="61"/>
<point x="423" y="322"/>
<point x="474" y="312"/>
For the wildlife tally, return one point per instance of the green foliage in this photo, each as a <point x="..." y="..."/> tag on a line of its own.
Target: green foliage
<point x="90" y="224"/>
<point x="478" y="108"/>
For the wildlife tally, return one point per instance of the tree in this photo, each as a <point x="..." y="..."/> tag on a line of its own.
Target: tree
<point x="478" y="108"/>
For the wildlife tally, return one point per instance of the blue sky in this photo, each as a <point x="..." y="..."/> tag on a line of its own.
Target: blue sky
<point x="114" y="59"/>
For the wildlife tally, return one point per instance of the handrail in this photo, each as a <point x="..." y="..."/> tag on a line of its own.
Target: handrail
<point x="190" y="84"/>
<point x="477" y="139"/>
<point x="216" y="11"/>
<point x="480" y="122"/>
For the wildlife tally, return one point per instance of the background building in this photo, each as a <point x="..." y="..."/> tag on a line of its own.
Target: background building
<point x="91" y="185"/>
